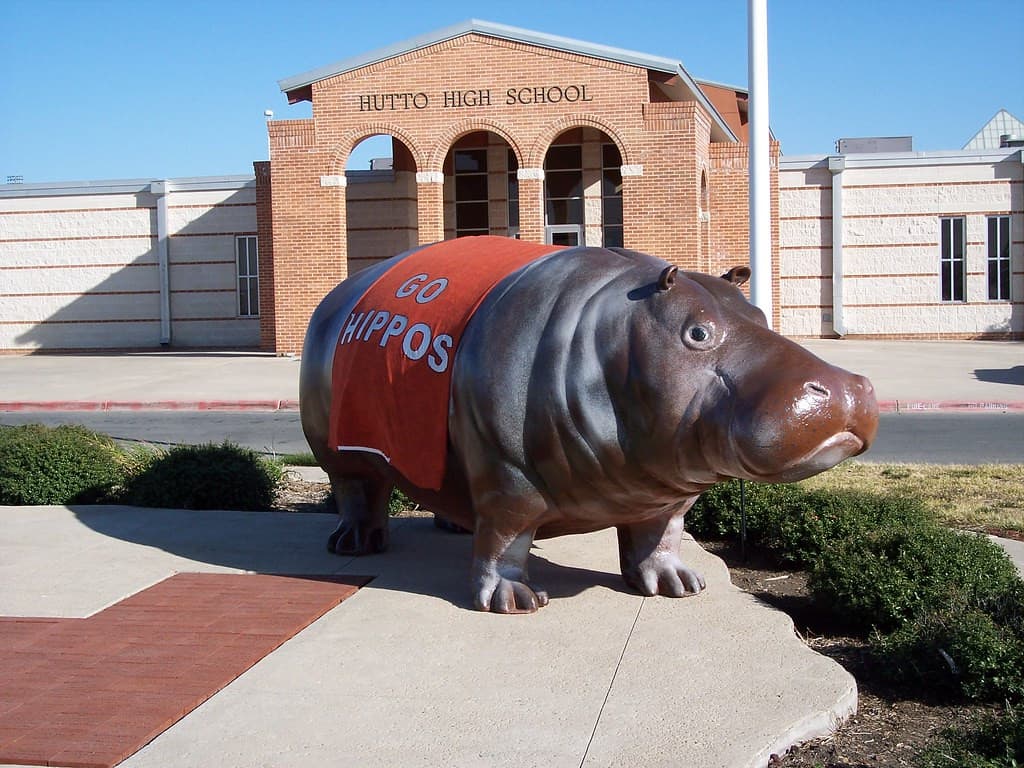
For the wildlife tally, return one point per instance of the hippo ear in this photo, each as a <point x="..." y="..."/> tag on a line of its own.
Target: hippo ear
<point x="737" y="275"/>
<point x="667" y="278"/>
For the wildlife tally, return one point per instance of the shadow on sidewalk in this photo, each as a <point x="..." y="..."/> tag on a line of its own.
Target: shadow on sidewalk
<point x="421" y="559"/>
<point x="1013" y="375"/>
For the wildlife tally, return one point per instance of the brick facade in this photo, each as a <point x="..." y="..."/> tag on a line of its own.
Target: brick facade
<point x="503" y="95"/>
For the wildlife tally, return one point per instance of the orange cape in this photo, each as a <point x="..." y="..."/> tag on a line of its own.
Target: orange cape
<point x="393" y="364"/>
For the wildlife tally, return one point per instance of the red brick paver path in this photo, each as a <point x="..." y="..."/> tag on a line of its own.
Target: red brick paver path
<point x="90" y="692"/>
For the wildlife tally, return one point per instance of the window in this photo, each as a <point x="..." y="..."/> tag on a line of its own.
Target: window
<point x="611" y="196"/>
<point x="248" y="276"/>
<point x="951" y="266"/>
<point x="563" y="185"/>
<point x="471" y="215"/>
<point x="999" y="258"/>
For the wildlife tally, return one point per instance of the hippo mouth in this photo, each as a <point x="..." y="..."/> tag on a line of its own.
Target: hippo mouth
<point x="824" y="456"/>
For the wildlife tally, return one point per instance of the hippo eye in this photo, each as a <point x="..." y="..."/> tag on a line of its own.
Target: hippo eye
<point x="698" y="336"/>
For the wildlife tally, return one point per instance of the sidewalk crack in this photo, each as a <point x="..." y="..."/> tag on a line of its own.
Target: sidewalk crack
<point x="611" y="683"/>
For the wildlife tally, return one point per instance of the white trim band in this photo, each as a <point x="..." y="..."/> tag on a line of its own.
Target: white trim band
<point x="333" y="181"/>
<point x="536" y="174"/>
<point x="364" y="449"/>
<point x="429" y="177"/>
<point x="632" y="170"/>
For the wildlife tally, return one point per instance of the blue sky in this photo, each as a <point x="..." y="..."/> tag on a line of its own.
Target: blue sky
<point x="105" y="89"/>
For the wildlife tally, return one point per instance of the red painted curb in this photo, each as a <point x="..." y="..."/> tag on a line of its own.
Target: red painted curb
<point x="151" y="405"/>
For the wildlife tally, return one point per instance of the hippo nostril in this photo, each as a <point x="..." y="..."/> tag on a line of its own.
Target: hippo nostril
<point x="817" y="389"/>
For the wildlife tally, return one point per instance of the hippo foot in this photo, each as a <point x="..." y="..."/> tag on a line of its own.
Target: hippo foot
<point x="352" y="538"/>
<point x="664" y="576"/>
<point x="502" y="595"/>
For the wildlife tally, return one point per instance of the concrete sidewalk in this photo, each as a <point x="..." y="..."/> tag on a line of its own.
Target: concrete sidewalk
<point x="405" y="673"/>
<point x="908" y="375"/>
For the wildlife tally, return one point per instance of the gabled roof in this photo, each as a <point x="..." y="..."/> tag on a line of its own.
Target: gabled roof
<point x="297" y="87"/>
<point x="1001" y="124"/>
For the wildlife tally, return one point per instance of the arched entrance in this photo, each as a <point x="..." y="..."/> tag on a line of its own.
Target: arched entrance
<point x="481" y="191"/>
<point x="380" y="201"/>
<point x="583" y="190"/>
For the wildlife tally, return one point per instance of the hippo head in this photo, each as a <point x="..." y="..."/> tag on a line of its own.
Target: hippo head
<point x="743" y="401"/>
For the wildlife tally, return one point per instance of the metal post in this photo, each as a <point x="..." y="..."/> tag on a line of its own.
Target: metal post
<point x="743" y="521"/>
<point x="760" y="160"/>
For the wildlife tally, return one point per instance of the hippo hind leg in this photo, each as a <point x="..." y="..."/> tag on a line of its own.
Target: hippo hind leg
<point x="362" y="505"/>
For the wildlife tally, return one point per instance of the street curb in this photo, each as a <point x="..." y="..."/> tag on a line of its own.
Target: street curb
<point x="151" y="405"/>
<point x="885" y="406"/>
<point x="933" y="406"/>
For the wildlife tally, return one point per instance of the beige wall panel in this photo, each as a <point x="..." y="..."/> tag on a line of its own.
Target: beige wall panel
<point x="912" y="173"/>
<point x="805" y="202"/>
<point x="801" y="232"/>
<point x="814" y="293"/>
<point x="209" y="198"/>
<point x="197" y="221"/>
<point x="182" y="250"/>
<point x="805" y="262"/>
<point x="85" y="307"/>
<point x="78" y="202"/>
<point x="78" y="280"/>
<point x="892" y="260"/>
<point x="61" y="252"/>
<point x="186" y="277"/>
<point x="805" y="177"/>
<point x="803" y="321"/>
<point x="80" y="336"/>
<point x="934" y="200"/>
<point x="50" y="226"/>
<point x="226" y="333"/>
<point x="213" y="304"/>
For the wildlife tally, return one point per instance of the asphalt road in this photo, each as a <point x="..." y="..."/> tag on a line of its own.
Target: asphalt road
<point x="937" y="438"/>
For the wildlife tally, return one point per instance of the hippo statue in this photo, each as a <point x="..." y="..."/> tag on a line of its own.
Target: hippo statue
<point x="580" y="389"/>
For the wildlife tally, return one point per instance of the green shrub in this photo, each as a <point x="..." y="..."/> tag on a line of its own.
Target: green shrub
<point x="793" y="524"/>
<point x="716" y="513"/>
<point x="58" y="465"/>
<point x="994" y="741"/>
<point x="882" y="579"/>
<point x="224" y="476"/>
<point x="399" y="502"/>
<point x="974" y="650"/>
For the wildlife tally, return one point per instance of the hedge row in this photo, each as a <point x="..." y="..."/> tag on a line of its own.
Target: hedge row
<point x="73" y="465"/>
<point x="940" y="606"/>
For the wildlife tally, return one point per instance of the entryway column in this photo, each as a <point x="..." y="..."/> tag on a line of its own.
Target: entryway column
<point x="430" y="206"/>
<point x="531" y="204"/>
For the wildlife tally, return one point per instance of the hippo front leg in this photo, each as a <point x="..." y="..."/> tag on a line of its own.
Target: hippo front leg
<point x="649" y="558"/>
<point x="499" y="578"/>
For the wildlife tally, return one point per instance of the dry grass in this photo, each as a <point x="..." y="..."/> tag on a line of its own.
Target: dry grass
<point x="987" y="497"/>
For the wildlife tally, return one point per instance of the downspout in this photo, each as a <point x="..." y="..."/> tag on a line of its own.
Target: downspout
<point x="161" y="189"/>
<point x="836" y="165"/>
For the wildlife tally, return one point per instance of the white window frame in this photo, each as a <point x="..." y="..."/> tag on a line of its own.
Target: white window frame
<point x="994" y="260"/>
<point x="247" y="281"/>
<point x="947" y="261"/>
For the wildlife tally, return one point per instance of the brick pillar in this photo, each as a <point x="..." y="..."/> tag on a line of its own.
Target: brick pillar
<point x="634" y="208"/>
<point x="265" y="240"/>
<point x="531" y="204"/>
<point x="430" y="206"/>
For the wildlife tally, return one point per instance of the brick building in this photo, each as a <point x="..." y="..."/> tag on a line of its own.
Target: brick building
<point x="503" y="131"/>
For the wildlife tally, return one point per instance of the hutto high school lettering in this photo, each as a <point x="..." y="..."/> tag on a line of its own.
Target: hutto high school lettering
<point x="540" y="94"/>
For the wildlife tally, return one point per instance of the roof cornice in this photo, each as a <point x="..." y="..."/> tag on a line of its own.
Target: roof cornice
<point x="514" y="34"/>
